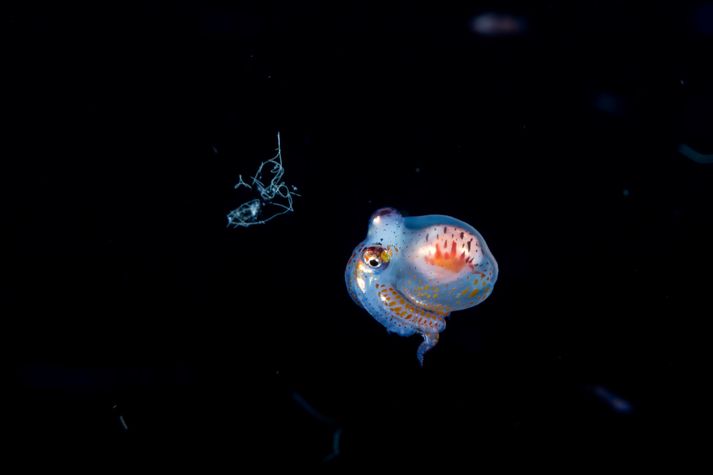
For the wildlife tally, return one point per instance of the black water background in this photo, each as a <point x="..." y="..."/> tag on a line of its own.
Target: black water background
<point x="128" y="126"/>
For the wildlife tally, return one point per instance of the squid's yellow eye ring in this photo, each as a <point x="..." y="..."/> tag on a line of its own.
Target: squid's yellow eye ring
<point x="385" y="255"/>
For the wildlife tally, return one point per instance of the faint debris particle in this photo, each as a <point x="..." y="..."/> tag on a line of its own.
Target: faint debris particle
<point x="626" y="192"/>
<point x="608" y="103"/>
<point x="337" y="431"/>
<point x="336" y="440"/>
<point x="120" y="417"/>
<point x="498" y="24"/>
<point x="703" y="19"/>
<point x="696" y="156"/>
<point x="616" y="403"/>
<point x="274" y="196"/>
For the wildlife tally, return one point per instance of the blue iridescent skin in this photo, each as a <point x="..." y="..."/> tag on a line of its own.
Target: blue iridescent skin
<point x="410" y="273"/>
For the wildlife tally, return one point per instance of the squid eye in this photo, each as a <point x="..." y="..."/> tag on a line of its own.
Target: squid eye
<point x="376" y="257"/>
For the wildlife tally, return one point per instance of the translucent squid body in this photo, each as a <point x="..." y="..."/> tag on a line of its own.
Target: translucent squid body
<point x="411" y="273"/>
